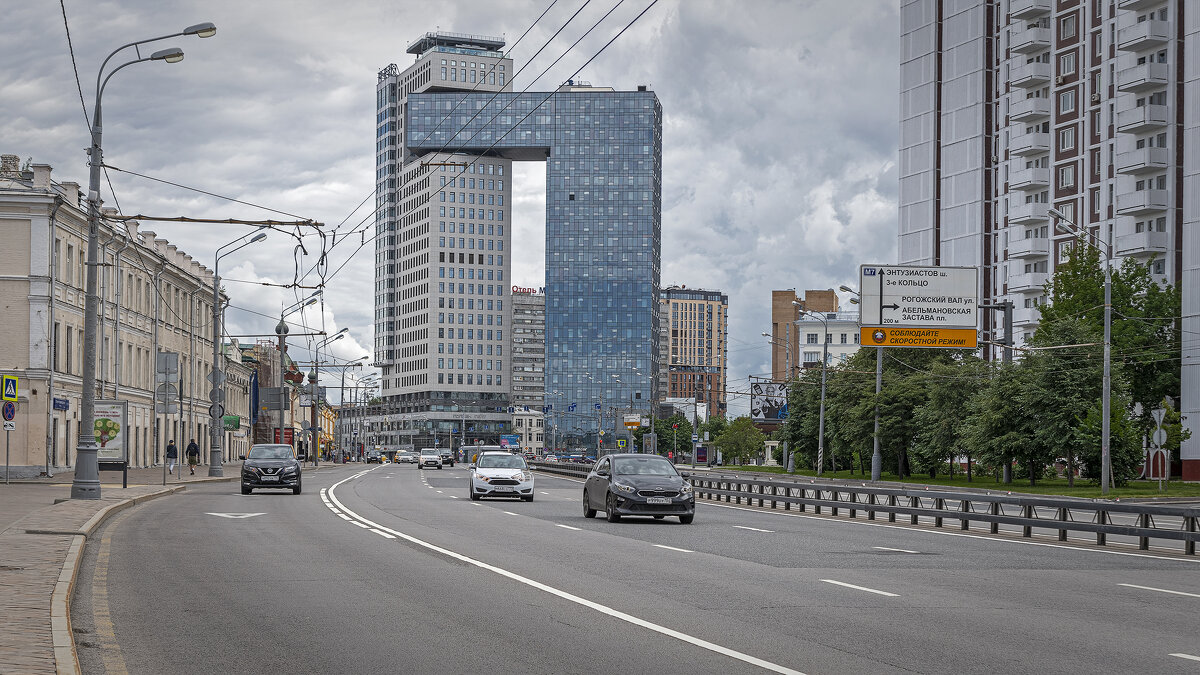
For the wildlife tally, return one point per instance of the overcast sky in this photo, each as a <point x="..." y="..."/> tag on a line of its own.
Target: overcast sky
<point x="779" y="134"/>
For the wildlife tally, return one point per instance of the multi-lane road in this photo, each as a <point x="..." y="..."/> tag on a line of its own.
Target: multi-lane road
<point x="392" y="568"/>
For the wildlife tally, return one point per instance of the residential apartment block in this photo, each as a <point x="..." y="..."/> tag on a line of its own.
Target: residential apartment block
<point x="1010" y="108"/>
<point x="786" y="340"/>
<point x="696" y="360"/>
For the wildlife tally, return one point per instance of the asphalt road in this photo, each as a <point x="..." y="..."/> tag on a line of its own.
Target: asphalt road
<point x="389" y="567"/>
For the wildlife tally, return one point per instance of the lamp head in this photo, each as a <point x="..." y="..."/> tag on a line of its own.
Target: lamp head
<point x="854" y="301"/>
<point x="170" y="55"/>
<point x="766" y="334"/>
<point x="317" y="292"/>
<point x="258" y="237"/>
<point x="343" y="331"/>
<point x="798" y="304"/>
<point x="846" y="288"/>
<point x="203" y="30"/>
<point x="1055" y="213"/>
<point x="308" y="302"/>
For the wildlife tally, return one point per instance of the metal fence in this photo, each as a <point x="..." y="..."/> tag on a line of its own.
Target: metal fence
<point x="1056" y="515"/>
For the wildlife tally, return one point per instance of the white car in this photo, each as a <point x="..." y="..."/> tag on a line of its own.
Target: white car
<point x="501" y="474"/>
<point x="430" y="458"/>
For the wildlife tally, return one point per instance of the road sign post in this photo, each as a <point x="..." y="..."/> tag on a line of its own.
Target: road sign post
<point x="10" y="424"/>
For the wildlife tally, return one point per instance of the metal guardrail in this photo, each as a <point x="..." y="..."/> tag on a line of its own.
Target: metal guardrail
<point x="1058" y="514"/>
<point x="1061" y="514"/>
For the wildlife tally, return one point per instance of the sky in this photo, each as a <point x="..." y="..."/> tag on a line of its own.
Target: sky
<point x="780" y="131"/>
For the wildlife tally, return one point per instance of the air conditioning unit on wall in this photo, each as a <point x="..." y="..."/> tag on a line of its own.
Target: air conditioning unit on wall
<point x="1058" y="79"/>
<point x="1095" y="98"/>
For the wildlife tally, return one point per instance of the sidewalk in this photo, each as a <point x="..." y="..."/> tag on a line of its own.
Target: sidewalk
<point x="42" y="535"/>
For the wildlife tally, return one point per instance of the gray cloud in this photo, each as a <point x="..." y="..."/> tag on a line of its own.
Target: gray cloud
<point x="780" y="132"/>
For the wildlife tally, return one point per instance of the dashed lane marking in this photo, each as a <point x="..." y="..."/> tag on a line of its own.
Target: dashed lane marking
<point x="860" y="588"/>
<point x="752" y="529"/>
<point x="896" y="550"/>
<point x="672" y="548"/>
<point x="1161" y="590"/>
<point x="566" y="527"/>
<point x="1187" y="656"/>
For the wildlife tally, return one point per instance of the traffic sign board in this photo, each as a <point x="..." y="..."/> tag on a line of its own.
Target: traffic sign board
<point x="1158" y="414"/>
<point x="620" y="442"/>
<point x="10" y="387"/>
<point x="960" y="338"/>
<point x="904" y="295"/>
<point x="216" y="377"/>
<point x="10" y="410"/>
<point x="1159" y="437"/>
<point x="10" y="425"/>
<point x="216" y="410"/>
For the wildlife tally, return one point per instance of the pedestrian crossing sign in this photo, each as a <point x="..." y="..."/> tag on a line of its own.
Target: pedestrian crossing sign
<point x="10" y="387"/>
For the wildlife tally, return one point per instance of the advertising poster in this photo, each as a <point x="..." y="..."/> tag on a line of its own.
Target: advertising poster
<point x="768" y="401"/>
<point x="510" y="441"/>
<point x="111" y="422"/>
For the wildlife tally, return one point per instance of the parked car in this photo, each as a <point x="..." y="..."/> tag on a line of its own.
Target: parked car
<point x="430" y="458"/>
<point x="270" y="465"/>
<point x="638" y="485"/>
<point x="500" y="474"/>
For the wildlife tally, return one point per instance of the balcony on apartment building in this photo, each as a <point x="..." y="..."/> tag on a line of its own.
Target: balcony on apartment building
<point x="1026" y="40"/>
<point x="1029" y="247"/>
<point x="1028" y="9"/>
<point x="1142" y="160"/>
<point x="1025" y="214"/>
<point x="1142" y="118"/>
<point x="1036" y="178"/>
<point x="1143" y="35"/>
<point x="1029" y="109"/>
<point x="1030" y="74"/>
<point x="1142" y="202"/>
<point x="1142" y="77"/>
<point x="1142" y="244"/>
<point x="1136" y="4"/>
<point x="1025" y="316"/>
<point x="1027" y="282"/>
<point x="1030" y="144"/>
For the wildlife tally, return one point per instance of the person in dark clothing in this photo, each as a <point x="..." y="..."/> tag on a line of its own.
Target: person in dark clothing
<point x="193" y="455"/>
<point x="172" y="455"/>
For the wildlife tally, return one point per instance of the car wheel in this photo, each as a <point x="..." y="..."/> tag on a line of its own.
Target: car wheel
<point x="687" y="520"/>
<point x="527" y="499"/>
<point x="296" y="490"/>
<point x="247" y="490"/>
<point x="588" y="511"/>
<point x="474" y="497"/>
<point x="610" y="509"/>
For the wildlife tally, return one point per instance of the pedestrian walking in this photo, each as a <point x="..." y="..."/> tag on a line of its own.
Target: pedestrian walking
<point x="193" y="455"/>
<point x="172" y="455"/>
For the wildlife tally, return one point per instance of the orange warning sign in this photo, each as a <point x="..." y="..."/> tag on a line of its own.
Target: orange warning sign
<point x="945" y="338"/>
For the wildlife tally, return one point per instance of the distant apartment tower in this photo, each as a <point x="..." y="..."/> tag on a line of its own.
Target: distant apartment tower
<point x="528" y="349"/>
<point x="1008" y="109"/>
<point x="443" y="233"/>
<point x="785" y="336"/>
<point x="697" y="326"/>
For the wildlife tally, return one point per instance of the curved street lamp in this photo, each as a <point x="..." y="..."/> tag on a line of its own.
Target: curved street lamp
<point x="86" y="483"/>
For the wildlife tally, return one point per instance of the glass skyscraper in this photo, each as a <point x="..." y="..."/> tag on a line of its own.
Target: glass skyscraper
<point x="603" y="154"/>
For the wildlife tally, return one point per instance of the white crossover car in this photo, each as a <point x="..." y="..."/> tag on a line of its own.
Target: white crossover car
<point x="501" y="474"/>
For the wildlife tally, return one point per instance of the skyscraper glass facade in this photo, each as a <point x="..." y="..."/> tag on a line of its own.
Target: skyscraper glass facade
<point x="603" y="154"/>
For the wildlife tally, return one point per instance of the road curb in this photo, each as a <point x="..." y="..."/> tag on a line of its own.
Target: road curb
<point x="66" y="659"/>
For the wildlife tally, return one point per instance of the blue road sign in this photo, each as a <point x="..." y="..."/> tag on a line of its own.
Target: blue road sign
<point x="10" y="388"/>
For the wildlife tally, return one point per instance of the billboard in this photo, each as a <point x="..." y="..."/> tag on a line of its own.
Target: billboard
<point x="510" y="441"/>
<point x="768" y="401"/>
<point x="111" y="420"/>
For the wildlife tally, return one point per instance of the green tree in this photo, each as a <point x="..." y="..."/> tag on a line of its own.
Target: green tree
<point x="1124" y="446"/>
<point x="674" y="439"/>
<point x="741" y="441"/>
<point x="998" y="427"/>
<point x="941" y="419"/>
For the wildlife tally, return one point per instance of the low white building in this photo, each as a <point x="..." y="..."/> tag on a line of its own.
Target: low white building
<point x="842" y="337"/>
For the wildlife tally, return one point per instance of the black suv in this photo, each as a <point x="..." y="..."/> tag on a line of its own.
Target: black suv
<point x="270" y="466"/>
<point x="374" y="457"/>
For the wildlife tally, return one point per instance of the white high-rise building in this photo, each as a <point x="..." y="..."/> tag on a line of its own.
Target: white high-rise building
<point x="442" y="314"/>
<point x="1009" y="108"/>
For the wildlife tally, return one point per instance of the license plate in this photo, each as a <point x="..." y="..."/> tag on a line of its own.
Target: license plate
<point x="268" y="479"/>
<point x="658" y="500"/>
<point x="503" y="488"/>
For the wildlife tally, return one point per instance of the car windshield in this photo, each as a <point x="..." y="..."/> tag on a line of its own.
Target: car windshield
<point x="270" y="452"/>
<point x="643" y="466"/>
<point x="430" y="452"/>
<point x="501" y="462"/>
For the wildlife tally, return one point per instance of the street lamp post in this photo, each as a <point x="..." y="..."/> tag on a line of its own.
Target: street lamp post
<point x="824" y="360"/>
<point x="788" y="461"/>
<point x="341" y="426"/>
<point x="1105" y="250"/>
<point x="86" y="483"/>
<point x="876" y="453"/>
<point x="281" y="330"/>
<point x="315" y="445"/>
<point x="216" y="411"/>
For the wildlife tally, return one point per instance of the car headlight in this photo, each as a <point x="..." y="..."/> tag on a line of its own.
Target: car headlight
<point x="686" y="490"/>
<point x="620" y="487"/>
<point x="289" y="469"/>
<point x="483" y="478"/>
<point x="524" y="477"/>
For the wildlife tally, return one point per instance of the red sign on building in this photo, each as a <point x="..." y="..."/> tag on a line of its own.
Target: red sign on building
<point x="288" y="438"/>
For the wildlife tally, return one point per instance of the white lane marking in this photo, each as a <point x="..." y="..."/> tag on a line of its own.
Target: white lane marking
<point x="362" y="525"/>
<point x="570" y="597"/>
<point x="383" y="534"/>
<point x="565" y="527"/>
<point x="752" y="529"/>
<point x="236" y="516"/>
<point x="438" y="491"/>
<point x="672" y="548"/>
<point x="1161" y="590"/>
<point x="860" y="588"/>
<point x="545" y="493"/>
<point x="511" y="513"/>
<point x="897" y="550"/>
<point x="1187" y="656"/>
<point x="453" y="496"/>
<point x="868" y="523"/>
<point x="343" y="516"/>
